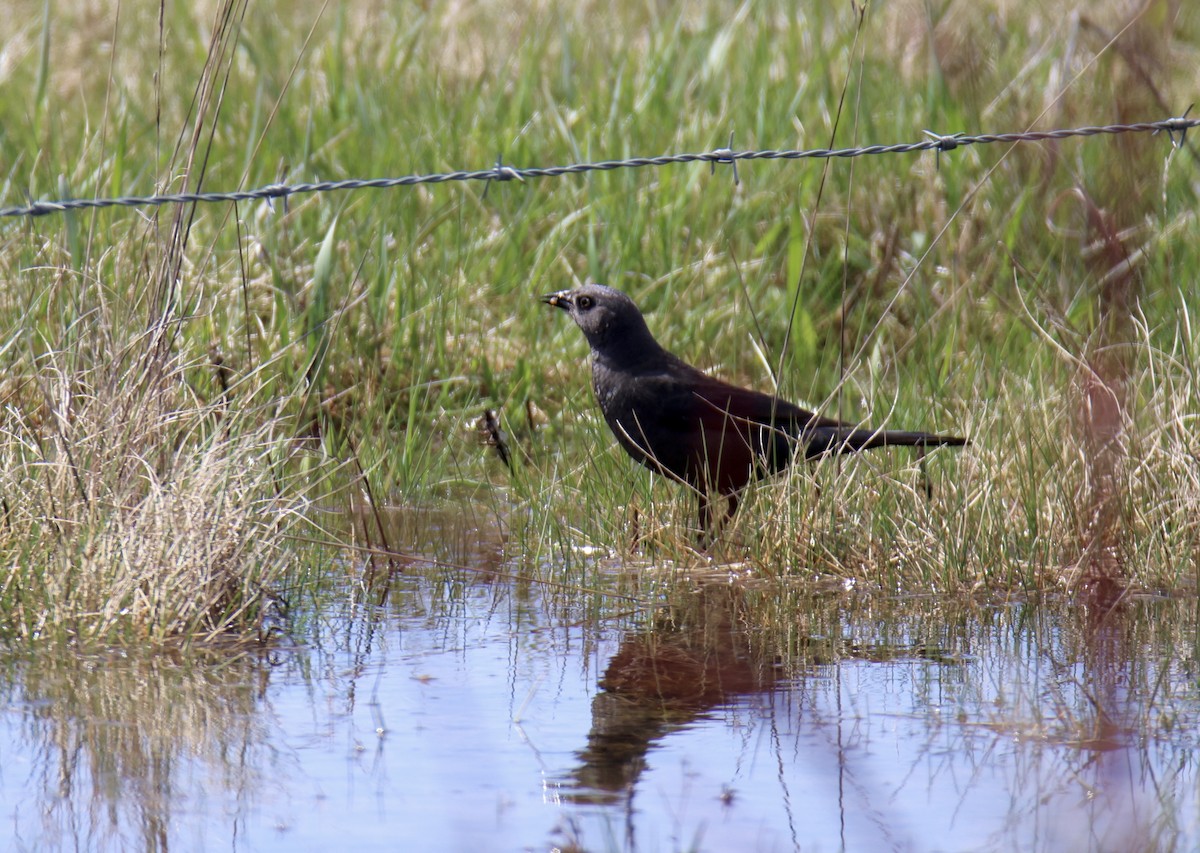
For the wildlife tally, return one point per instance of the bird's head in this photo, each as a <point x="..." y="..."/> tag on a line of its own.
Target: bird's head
<point x="610" y="320"/>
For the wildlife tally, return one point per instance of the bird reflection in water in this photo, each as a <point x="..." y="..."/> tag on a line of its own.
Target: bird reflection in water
<point x="694" y="658"/>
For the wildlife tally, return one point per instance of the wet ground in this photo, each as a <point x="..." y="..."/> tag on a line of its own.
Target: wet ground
<point x="470" y="713"/>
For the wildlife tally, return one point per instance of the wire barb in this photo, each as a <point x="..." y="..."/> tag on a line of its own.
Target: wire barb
<point x="943" y="143"/>
<point x="1178" y="124"/>
<point x="725" y="155"/>
<point x="501" y="173"/>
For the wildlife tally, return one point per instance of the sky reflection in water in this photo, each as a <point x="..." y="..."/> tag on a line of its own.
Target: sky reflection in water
<point x="465" y="718"/>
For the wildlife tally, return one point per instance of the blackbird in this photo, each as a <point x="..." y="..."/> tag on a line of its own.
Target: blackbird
<point x="681" y="422"/>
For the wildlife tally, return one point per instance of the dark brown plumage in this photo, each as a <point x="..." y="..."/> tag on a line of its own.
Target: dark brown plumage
<point x="674" y="419"/>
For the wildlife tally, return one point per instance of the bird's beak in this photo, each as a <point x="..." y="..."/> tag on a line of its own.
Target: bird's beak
<point x="562" y="299"/>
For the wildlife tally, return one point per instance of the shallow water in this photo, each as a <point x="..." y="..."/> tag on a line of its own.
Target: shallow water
<point x="469" y="715"/>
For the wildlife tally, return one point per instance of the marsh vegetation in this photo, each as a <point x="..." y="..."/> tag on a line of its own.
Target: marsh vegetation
<point x="213" y="415"/>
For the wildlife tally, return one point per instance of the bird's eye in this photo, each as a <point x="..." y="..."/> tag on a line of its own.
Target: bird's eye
<point x="583" y="303"/>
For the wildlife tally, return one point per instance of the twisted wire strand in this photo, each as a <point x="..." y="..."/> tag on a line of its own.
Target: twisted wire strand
<point x="500" y="172"/>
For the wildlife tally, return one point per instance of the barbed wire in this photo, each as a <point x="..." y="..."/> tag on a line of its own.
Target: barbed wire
<point x="500" y="172"/>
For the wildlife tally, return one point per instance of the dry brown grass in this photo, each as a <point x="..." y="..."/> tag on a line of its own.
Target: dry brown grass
<point x="133" y="510"/>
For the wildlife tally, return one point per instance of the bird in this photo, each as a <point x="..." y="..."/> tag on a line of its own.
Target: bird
<point x="713" y="436"/>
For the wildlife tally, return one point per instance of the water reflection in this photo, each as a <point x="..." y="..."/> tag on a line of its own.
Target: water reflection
<point x="694" y="657"/>
<point x="110" y="750"/>
<point x="487" y="714"/>
<point x="1017" y="727"/>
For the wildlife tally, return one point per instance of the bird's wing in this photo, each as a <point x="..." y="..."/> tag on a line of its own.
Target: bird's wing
<point x="757" y="407"/>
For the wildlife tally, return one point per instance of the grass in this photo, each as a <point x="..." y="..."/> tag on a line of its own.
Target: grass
<point x="1036" y="298"/>
<point x="135" y="513"/>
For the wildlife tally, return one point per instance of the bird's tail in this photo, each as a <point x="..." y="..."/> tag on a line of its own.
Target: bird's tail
<point x="825" y="441"/>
